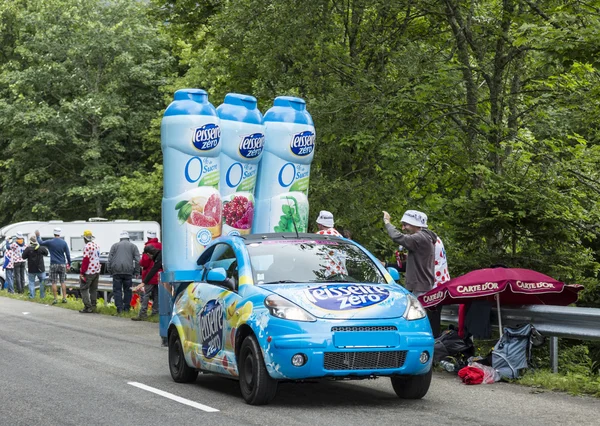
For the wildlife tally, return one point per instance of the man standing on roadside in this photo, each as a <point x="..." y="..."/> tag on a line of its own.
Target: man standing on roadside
<point x="420" y="243"/>
<point x="19" y="264"/>
<point x="60" y="260"/>
<point x="35" y="266"/>
<point x="123" y="263"/>
<point x="89" y="273"/>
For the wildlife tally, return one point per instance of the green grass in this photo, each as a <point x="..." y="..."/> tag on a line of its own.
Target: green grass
<point x="573" y="383"/>
<point x="75" y="304"/>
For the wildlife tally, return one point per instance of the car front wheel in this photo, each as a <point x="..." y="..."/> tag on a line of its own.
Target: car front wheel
<point x="180" y="371"/>
<point x="257" y="387"/>
<point x="412" y="387"/>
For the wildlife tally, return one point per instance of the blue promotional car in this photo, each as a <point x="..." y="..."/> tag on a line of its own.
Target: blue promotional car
<point x="285" y="307"/>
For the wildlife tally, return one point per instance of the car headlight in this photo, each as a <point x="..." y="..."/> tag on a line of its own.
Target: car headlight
<point x="414" y="310"/>
<point x="283" y="308"/>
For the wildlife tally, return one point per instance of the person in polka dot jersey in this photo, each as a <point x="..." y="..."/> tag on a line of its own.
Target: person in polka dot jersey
<point x="89" y="273"/>
<point x="336" y="263"/>
<point x="325" y="224"/>
<point x="441" y="264"/>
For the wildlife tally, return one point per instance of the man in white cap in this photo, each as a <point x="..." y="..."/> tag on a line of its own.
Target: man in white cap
<point x="60" y="260"/>
<point x="325" y="224"/>
<point x="89" y="273"/>
<point x="19" y="264"/>
<point x="420" y="264"/>
<point x="123" y="264"/>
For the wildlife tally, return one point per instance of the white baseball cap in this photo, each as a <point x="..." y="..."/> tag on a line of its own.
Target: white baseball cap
<point x="325" y="218"/>
<point x="19" y="234"/>
<point x="57" y="231"/>
<point x="415" y="218"/>
<point x="151" y="234"/>
<point x="124" y="234"/>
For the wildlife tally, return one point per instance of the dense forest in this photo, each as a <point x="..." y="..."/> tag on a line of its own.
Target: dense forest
<point x="483" y="114"/>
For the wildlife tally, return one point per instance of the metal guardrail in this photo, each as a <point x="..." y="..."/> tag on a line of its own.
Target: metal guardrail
<point x="551" y="321"/>
<point x="104" y="283"/>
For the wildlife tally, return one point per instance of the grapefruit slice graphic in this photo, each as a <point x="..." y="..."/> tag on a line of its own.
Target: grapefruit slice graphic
<point x="212" y="208"/>
<point x="199" y="219"/>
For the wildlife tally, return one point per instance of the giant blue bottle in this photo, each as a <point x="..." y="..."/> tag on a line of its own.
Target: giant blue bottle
<point x="191" y="204"/>
<point x="284" y="171"/>
<point x="242" y="140"/>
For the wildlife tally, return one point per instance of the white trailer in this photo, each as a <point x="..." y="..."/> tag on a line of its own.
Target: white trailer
<point x="106" y="233"/>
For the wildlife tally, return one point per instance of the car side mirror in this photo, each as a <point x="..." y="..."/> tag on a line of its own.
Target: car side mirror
<point x="394" y="273"/>
<point x="218" y="276"/>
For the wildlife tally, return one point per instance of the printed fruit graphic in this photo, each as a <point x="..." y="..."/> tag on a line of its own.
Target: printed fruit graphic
<point x="239" y="212"/>
<point x="212" y="208"/>
<point x="199" y="219"/>
<point x="203" y="211"/>
<point x="290" y="219"/>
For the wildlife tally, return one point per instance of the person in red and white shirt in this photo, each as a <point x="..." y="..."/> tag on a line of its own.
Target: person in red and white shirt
<point x="335" y="261"/>
<point x="440" y="263"/>
<point x="89" y="273"/>
<point x="325" y="224"/>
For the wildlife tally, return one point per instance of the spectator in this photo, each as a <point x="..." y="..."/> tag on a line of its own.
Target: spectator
<point x="441" y="274"/>
<point x="89" y="273"/>
<point x="146" y="263"/>
<point x="441" y="264"/>
<point x="149" y="283"/>
<point x="123" y="263"/>
<point x="35" y="266"/>
<point x="325" y="224"/>
<point x="60" y="260"/>
<point x="9" y="270"/>
<point x="420" y="243"/>
<point x="19" y="264"/>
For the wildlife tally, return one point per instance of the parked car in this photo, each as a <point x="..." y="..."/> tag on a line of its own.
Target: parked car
<point x="287" y="307"/>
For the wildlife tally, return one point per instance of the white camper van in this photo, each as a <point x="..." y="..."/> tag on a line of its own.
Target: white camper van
<point x="106" y="233"/>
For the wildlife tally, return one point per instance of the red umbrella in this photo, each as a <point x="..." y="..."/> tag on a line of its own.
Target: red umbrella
<point x="513" y="285"/>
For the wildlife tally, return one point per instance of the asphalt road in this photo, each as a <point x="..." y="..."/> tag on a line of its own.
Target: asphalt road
<point x="60" y="367"/>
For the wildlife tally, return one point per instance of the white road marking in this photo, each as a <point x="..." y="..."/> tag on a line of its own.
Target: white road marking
<point x="25" y="313"/>
<point x="174" y="397"/>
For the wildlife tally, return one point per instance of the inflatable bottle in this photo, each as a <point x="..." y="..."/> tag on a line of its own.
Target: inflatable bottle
<point x="242" y="141"/>
<point x="284" y="171"/>
<point x="191" y="205"/>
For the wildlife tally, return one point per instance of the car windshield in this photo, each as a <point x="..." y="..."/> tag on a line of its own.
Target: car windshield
<point x="311" y="261"/>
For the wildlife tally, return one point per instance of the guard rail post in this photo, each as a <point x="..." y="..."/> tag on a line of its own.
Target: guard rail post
<point x="554" y="353"/>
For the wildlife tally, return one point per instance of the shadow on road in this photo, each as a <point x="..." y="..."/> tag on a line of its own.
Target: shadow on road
<point x="326" y="393"/>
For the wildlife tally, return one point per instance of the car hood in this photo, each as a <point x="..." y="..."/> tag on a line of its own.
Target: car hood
<point x="345" y="300"/>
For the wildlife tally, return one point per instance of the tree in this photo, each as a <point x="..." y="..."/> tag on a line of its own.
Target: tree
<point x="80" y="88"/>
<point x="461" y="109"/>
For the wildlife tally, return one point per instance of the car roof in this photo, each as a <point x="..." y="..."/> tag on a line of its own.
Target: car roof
<point x="251" y="238"/>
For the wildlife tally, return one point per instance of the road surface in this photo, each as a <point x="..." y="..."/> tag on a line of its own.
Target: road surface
<point x="60" y="367"/>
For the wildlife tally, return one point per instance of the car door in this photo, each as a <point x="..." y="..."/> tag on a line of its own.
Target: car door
<point x="217" y="302"/>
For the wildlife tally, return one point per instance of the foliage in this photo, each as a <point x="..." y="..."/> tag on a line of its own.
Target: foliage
<point x="482" y="114"/>
<point x="463" y="110"/>
<point x="79" y="88"/>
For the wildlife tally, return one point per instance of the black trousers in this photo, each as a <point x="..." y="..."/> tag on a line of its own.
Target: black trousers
<point x="435" y="318"/>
